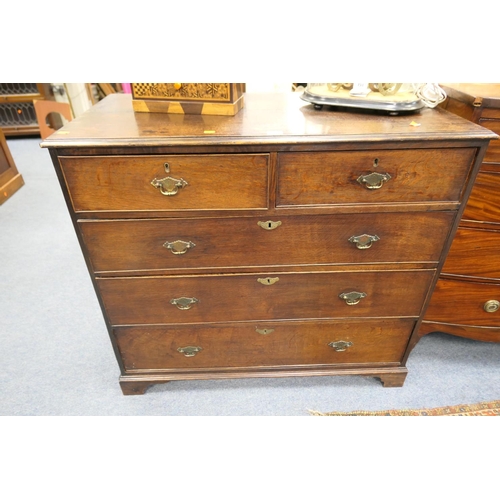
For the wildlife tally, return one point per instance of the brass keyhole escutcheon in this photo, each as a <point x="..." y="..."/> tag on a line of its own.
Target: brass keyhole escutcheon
<point x="491" y="306"/>
<point x="340" y="345"/>
<point x="189" y="351"/>
<point x="264" y="331"/>
<point x="352" y="298"/>
<point x="268" y="281"/>
<point x="364" y="241"/>
<point x="269" y="225"/>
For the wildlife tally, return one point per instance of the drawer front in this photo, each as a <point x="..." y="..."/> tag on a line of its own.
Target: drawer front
<point x="195" y="299"/>
<point x="474" y="252"/>
<point x="395" y="176"/>
<point x="198" y="182"/>
<point x="465" y="303"/>
<point x="484" y="200"/>
<point x="493" y="151"/>
<point x="125" y="245"/>
<point x="262" y="344"/>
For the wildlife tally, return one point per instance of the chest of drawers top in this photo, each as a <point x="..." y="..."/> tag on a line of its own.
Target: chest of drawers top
<point x="269" y="119"/>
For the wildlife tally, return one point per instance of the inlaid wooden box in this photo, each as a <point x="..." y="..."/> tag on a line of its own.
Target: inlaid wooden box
<point x="188" y="98"/>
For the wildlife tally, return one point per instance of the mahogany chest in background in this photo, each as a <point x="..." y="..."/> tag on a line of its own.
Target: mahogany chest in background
<point x="282" y="241"/>
<point x="466" y="301"/>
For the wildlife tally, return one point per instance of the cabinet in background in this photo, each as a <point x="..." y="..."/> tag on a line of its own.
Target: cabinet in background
<point x="466" y="301"/>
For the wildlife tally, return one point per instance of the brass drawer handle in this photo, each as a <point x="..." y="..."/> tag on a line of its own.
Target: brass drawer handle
<point x="340" y="345"/>
<point x="491" y="306"/>
<point x="264" y="331"/>
<point x="189" y="351"/>
<point x="363" y="241"/>
<point x="168" y="186"/>
<point x="269" y="224"/>
<point x="352" y="298"/>
<point x="268" y="281"/>
<point x="179" y="247"/>
<point x="373" y="180"/>
<point x="184" y="303"/>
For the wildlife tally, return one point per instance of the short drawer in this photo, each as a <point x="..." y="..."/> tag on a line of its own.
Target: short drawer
<point x="166" y="183"/>
<point x="465" y="303"/>
<point x="474" y="253"/>
<point x="262" y="344"/>
<point x="156" y="244"/>
<point x="484" y="201"/>
<point x="195" y="299"/>
<point x="386" y="176"/>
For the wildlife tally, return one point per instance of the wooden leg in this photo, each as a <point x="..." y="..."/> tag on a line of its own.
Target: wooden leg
<point x="393" y="379"/>
<point x="132" y="388"/>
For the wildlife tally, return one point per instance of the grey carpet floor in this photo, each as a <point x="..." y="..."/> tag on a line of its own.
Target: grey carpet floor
<point x="57" y="358"/>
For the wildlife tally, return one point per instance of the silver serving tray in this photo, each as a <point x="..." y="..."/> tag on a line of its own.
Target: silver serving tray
<point x="374" y="101"/>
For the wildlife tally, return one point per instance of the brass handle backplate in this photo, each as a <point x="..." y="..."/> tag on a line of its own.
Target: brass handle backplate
<point x="491" y="306"/>
<point x="364" y="241"/>
<point x="169" y="186"/>
<point x="184" y="303"/>
<point x="340" y="345"/>
<point x="373" y="180"/>
<point x="268" y="281"/>
<point x="179" y="247"/>
<point x="352" y="298"/>
<point x="269" y="224"/>
<point x="189" y="351"/>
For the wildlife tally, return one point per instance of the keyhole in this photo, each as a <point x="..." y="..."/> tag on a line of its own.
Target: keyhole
<point x="375" y="162"/>
<point x="167" y="167"/>
<point x="269" y="225"/>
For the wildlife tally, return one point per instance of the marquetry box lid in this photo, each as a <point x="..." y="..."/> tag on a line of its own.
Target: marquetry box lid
<point x="188" y="98"/>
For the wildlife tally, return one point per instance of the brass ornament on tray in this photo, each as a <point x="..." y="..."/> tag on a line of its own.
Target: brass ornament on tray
<point x="188" y="98"/>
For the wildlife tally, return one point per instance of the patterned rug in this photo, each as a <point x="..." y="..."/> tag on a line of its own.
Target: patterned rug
<point x="488" y="409"/>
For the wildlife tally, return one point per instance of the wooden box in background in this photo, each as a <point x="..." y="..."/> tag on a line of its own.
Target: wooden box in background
<point x="188" y="98"/>
<point x="10" y="179"/>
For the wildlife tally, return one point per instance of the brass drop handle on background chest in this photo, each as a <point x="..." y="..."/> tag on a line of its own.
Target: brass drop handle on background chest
<point x="352" y="298"/>
<point x="373" y="180"/>
<point x="340" y="345"/>
<point x="168" y="186"/>
<point x="189" y="351"/>
<point x="491" y="306"/>
<point x="364" y="241"/>
<point x="184" y="303"/>
<point x="179" y="247"/>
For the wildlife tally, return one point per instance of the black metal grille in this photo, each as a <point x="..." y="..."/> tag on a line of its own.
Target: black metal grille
<point x="18" y="88"/>
<point x="17" y="113"/>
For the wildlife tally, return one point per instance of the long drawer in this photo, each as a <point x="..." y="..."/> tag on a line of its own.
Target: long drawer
<point x="465" y="303"/>
<point x="150" y="348"/>
<point x="195" y="299"/>
<point x="474" y="253"/>
<point x="126" y="245"/>
<point x="166" y="183"/>
<point x="484" y="201"/>
<point x="384" y="176"/>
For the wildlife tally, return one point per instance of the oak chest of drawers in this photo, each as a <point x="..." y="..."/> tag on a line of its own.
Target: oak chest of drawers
<point x="466" y="301"/>
<point x="283" y="241"/>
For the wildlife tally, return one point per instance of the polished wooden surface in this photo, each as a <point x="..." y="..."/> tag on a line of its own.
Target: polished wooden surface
<point x="295" y="170"/>
<point x="471" y="273"/>
<point x="266" y="119"/>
